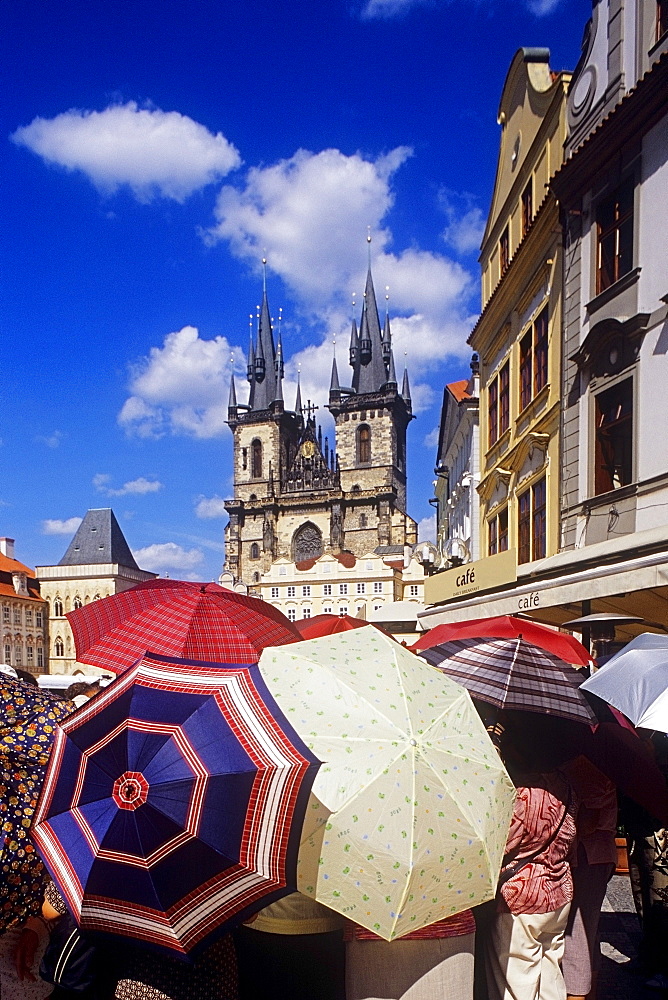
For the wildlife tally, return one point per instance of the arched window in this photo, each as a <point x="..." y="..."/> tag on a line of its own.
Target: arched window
<point x="255" y="551"/>
<point x="256" y="577"/>
<point x="59" y="647"/>
<point x="256" y="459"/>
<point x="58" y="609"/>
<point x="77" y="603"/>
<point x="363" y="444"/>
<point x="306" y="543"/>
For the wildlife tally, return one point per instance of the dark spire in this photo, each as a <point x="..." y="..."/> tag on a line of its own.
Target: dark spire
<point x="354" y="345"/>
<point x="298" y="400"/>
<point x="265" y="360"/>
<point x="387" y="339"/>
<point x="369" y="373"/>
<point x="391" y="373"/>
<point x="406" y="389"/>
<point x="334" y="381"/>
<point x="232" y="401"/>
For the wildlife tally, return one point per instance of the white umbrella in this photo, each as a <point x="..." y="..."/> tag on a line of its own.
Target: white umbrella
<point x="635" y="681"/>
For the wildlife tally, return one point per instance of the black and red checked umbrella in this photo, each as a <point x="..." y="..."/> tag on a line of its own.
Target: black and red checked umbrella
<point x="177" y="618"/>
<point x="173" y="804"/>
<point x="513" y="674"/>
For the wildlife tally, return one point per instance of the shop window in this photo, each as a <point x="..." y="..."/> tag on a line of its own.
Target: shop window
<point x="493" y="412"/>
<point x="504" y="398"/>
<point x="527" y="207"/>
<point x="613" y="462"/>
<point x="363" y="444"/>
<point x="614" y="236"/>
<point x="256" y="459"/>
<point x="504" y="250"/>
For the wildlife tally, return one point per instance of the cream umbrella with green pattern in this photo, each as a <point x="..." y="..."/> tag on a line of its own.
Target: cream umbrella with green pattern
<point x="409" y="813"/>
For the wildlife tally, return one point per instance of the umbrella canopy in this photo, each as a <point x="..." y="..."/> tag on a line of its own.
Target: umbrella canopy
<point x="410" y="811"/>
<point x="314" y="628"/>
<point x="512" y="673"/>
<point x="566" y="647"/>
<point x="28" y="722"/>
<point x="177" y="618"/>
<point x="635" y="681"/>
<point x="173" y="803"/>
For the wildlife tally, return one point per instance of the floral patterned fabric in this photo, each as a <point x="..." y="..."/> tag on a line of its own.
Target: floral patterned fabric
<point x="28" y="720"/>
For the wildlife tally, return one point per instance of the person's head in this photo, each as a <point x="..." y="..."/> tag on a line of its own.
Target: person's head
<point x="27" y="678"/>
<point x="81" y="688"/>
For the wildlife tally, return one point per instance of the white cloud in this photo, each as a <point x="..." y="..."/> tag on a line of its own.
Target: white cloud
<point x="167" y="555"/>
<point x="53" y="526"/>
<point x="390" y="8"/>
<point x="427" y="529"/>
<point x="153" y="152"/>
<point x="431" y="439"/>
<point x="542" y="7"/>
<point x="50" y="440"/>
<point x="210" y="507"/>
<point x="465" y="221"/>
<point x="138" y="487"/>
<point x="181" y="387"/>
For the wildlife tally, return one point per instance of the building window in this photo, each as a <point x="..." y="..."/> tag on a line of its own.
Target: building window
<point x="256" y="459"/>
<point x="326" y="611"/>
<point x="526" y="368"/>
<point x="255" y="551"/>
<point x="5" y="614"/>
<point x="8" y="654"/>
<point x="256" y="577"/>
<point x="306" y="543"/>
<point x="29" y="617"/>
<point x="504" y="250"/>
<point x="413" y="590"/>
<point x="363" y="444"/>
<point x="540" y="351"/>
<point x="282" y="570"/>
<point x="343" y="588"/>
<point x="274" y="592"/>
<point x="504" y="398"/>
<point x="292" y="591"/>
<point x="343" y="612"/>
<point x="292" y="614"/>
<point x="39" y="619"/>
<point x="527" y="207"/>
<point x="539" y="520"/>
<point x="306" y="612"/>
<point x="378" y="587"/>
<point x="306" y="590"/>
<point x="498" y="533"/>
<point x="493" y="537"/>
<point x="17" y="614"/>
<point x="614" y="437"/>
<point x="58" y="608"/>
<point x="493" y="412"/>
<point x="327" y="589"/>
<point x="77" y="603"/>
<point x="30" y="655"/>
<point x="59" y="647"/>
<point x="40" y="656"/>
<point x="524" y="527"/>
<point x="361" y="588"/>
<point x="661" y="18"/>
<point x="18" y="655"/>
<point x="362" y="520"/>
<point x="614" y="236"/>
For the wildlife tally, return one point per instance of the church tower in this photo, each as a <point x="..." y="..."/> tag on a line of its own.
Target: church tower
<point x="296" y="499"/>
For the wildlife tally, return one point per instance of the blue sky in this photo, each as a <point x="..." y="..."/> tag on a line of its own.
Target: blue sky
<point x="153" y="153"/>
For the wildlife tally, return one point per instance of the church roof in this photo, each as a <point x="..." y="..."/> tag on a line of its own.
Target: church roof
<point x="99" y="539"/>
<point x="369" y="372"/>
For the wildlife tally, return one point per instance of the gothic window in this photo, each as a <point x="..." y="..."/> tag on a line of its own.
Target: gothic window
<point x="363" y="444"/>
<point x="255" y="551"/>
<point x="306" y="543"/>
<point x="256" y="577"/>
<point x="256" y="459"/>
<point x="59" y="647"/>
<point x="58" y="609"/>
<point x="77" y="603"/>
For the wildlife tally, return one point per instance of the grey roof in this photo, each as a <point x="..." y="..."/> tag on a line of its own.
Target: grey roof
<point x="232" y="401"/>
<point x="298" y="398"/>
<point x="334" y="381"/>
<point x="391" y="372"/>
<point x="405" y="388"/>
<point x="99" y="539"/>
<point x="265" y="390"/>
<point x="389" y="550"/>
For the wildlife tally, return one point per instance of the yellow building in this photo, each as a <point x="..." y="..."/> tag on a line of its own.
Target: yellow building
<point x="518" y="334"/>
<point x="24" y="614"/>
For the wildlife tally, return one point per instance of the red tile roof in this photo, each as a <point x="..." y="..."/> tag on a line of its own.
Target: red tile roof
<point x="306" y="564"/>
<point x="458" y="389"/>
<point x="346" y="559"/>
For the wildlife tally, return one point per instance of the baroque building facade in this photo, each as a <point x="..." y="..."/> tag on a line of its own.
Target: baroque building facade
<point x="98" y="562"/>
<point x="303" y="505"/>
<point x="24" y="614"/>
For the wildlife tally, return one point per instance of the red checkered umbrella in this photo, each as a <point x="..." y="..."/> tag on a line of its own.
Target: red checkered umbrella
<point x="315" y="628"/>
<point x="177" y="618"/>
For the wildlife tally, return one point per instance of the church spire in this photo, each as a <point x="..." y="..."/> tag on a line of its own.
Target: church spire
<point x="406" y="390"/>
<point x="369" y="374"/>
<point x="298" y="399"/>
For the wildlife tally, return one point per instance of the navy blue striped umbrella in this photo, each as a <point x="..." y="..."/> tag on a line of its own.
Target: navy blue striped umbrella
<point x="173" y="803"/>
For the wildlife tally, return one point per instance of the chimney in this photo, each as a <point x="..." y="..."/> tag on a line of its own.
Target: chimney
<point x="7" y="547"/>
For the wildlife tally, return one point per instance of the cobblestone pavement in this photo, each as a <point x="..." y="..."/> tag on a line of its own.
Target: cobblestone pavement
<point x="619" y="977"/>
